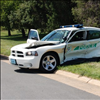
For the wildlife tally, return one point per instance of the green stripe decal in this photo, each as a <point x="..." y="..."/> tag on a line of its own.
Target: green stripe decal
<point x="86" y="46"/>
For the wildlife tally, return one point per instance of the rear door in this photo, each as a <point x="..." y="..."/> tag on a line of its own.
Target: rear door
<point x="76" y="47"/>
<point x="33" y="36"/>
<point x="93" y="37"/>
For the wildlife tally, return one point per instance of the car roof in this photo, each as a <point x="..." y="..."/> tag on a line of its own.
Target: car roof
<point x="83" y="28"/>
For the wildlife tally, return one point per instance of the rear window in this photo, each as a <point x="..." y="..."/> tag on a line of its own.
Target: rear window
<point x="93" y="34"/>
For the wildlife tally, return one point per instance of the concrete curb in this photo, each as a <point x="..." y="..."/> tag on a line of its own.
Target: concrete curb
<point x="78" y="77"/>
<point x="3" y="57"/>
<point x="70" y="75"/>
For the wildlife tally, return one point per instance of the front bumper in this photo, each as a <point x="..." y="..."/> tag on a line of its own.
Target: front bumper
<point x="28" y="62"/>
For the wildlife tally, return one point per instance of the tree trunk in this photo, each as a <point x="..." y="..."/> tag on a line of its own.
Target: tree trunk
<point x="23" y="33"/>
<point x="9" y="32"/>
<point x="28" y="31"/>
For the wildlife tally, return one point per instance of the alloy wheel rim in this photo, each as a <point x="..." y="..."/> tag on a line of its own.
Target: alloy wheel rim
<point x="49" y="63"/>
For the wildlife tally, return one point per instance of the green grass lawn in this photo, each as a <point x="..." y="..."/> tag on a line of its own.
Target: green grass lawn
<point x="88" y="68"/>
<point x="8" y="41"/>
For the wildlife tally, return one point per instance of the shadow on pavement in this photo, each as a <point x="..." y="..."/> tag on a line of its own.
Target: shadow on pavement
<point x="2" y="57"/>
<point x="31" y="71"/>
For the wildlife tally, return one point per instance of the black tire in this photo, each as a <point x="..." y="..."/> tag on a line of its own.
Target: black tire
<point x="48" y="62"/>
<point x="98" y="59"/>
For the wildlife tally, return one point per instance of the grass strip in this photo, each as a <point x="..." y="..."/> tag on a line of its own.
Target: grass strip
<point x="90" y="69"/>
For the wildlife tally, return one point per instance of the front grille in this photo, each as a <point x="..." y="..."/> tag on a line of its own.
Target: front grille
<point x="13" y="54"/>
<point x="13" y="51"/>
<point x="20" y="52"/>
<point x="20" y="56"/>
<point x="17" y="53"/>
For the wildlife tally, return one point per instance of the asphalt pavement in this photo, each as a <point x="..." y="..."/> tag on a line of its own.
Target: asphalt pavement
<point x="32" y="84"/>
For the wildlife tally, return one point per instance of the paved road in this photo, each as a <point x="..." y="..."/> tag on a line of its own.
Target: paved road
<point x="30" y="84"/>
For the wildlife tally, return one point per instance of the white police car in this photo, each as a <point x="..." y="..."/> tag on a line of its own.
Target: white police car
<point x="64" y="44"/>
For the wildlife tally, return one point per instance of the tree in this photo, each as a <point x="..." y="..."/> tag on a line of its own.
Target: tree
<point x="41" y="14"/>
<point x="21" y="18"/>
<point x="55" y="13"/>
<point x="87" y="12"/>
<point x="27" y="16"/>
<point x="63" y="11"/>
<point x="5" y="10"/>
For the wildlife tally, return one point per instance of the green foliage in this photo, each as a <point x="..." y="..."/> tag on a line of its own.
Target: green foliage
<point x="59" y="14"/>
<point x="42" y="14"/>
<point x="87" y="12"/>
<point x="21" y="18"/>
<point x="28" y="15"/>
<point x="5" y="10"/>
<point x="47" y="15"/>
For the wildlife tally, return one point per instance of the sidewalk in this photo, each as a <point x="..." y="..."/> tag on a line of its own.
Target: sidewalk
<point x="78" y="77"/>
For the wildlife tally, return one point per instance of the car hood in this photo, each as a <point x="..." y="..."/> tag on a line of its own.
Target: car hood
<point x="34" y="44"/>
<point x="37" y="43"/>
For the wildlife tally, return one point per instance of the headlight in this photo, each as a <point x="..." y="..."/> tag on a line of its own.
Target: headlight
<point x="32" y="53"/>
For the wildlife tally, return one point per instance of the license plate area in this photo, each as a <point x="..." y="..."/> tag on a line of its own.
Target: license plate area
<point x="13" y="61"/>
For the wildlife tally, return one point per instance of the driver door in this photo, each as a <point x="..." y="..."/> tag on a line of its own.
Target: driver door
<point x="33" y="36"/>
<point x="75" y="47"/>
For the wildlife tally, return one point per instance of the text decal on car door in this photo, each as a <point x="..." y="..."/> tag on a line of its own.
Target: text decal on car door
<point x="86" y="46"/>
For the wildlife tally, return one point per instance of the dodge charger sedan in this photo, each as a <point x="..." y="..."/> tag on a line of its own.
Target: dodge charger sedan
<point x="69" y="42"/>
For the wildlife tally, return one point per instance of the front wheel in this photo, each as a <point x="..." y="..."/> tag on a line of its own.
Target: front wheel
<point x="48" y="62"/>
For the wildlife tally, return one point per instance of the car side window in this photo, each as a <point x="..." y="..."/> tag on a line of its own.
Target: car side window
<point x="93" y="34"/>
<point x="79" y="36"/>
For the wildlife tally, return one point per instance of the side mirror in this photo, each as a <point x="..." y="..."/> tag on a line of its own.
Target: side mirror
<point x="64" y="38"/>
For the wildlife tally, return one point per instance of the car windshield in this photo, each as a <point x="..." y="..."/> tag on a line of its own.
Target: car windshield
<point x="56" y="35"/>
